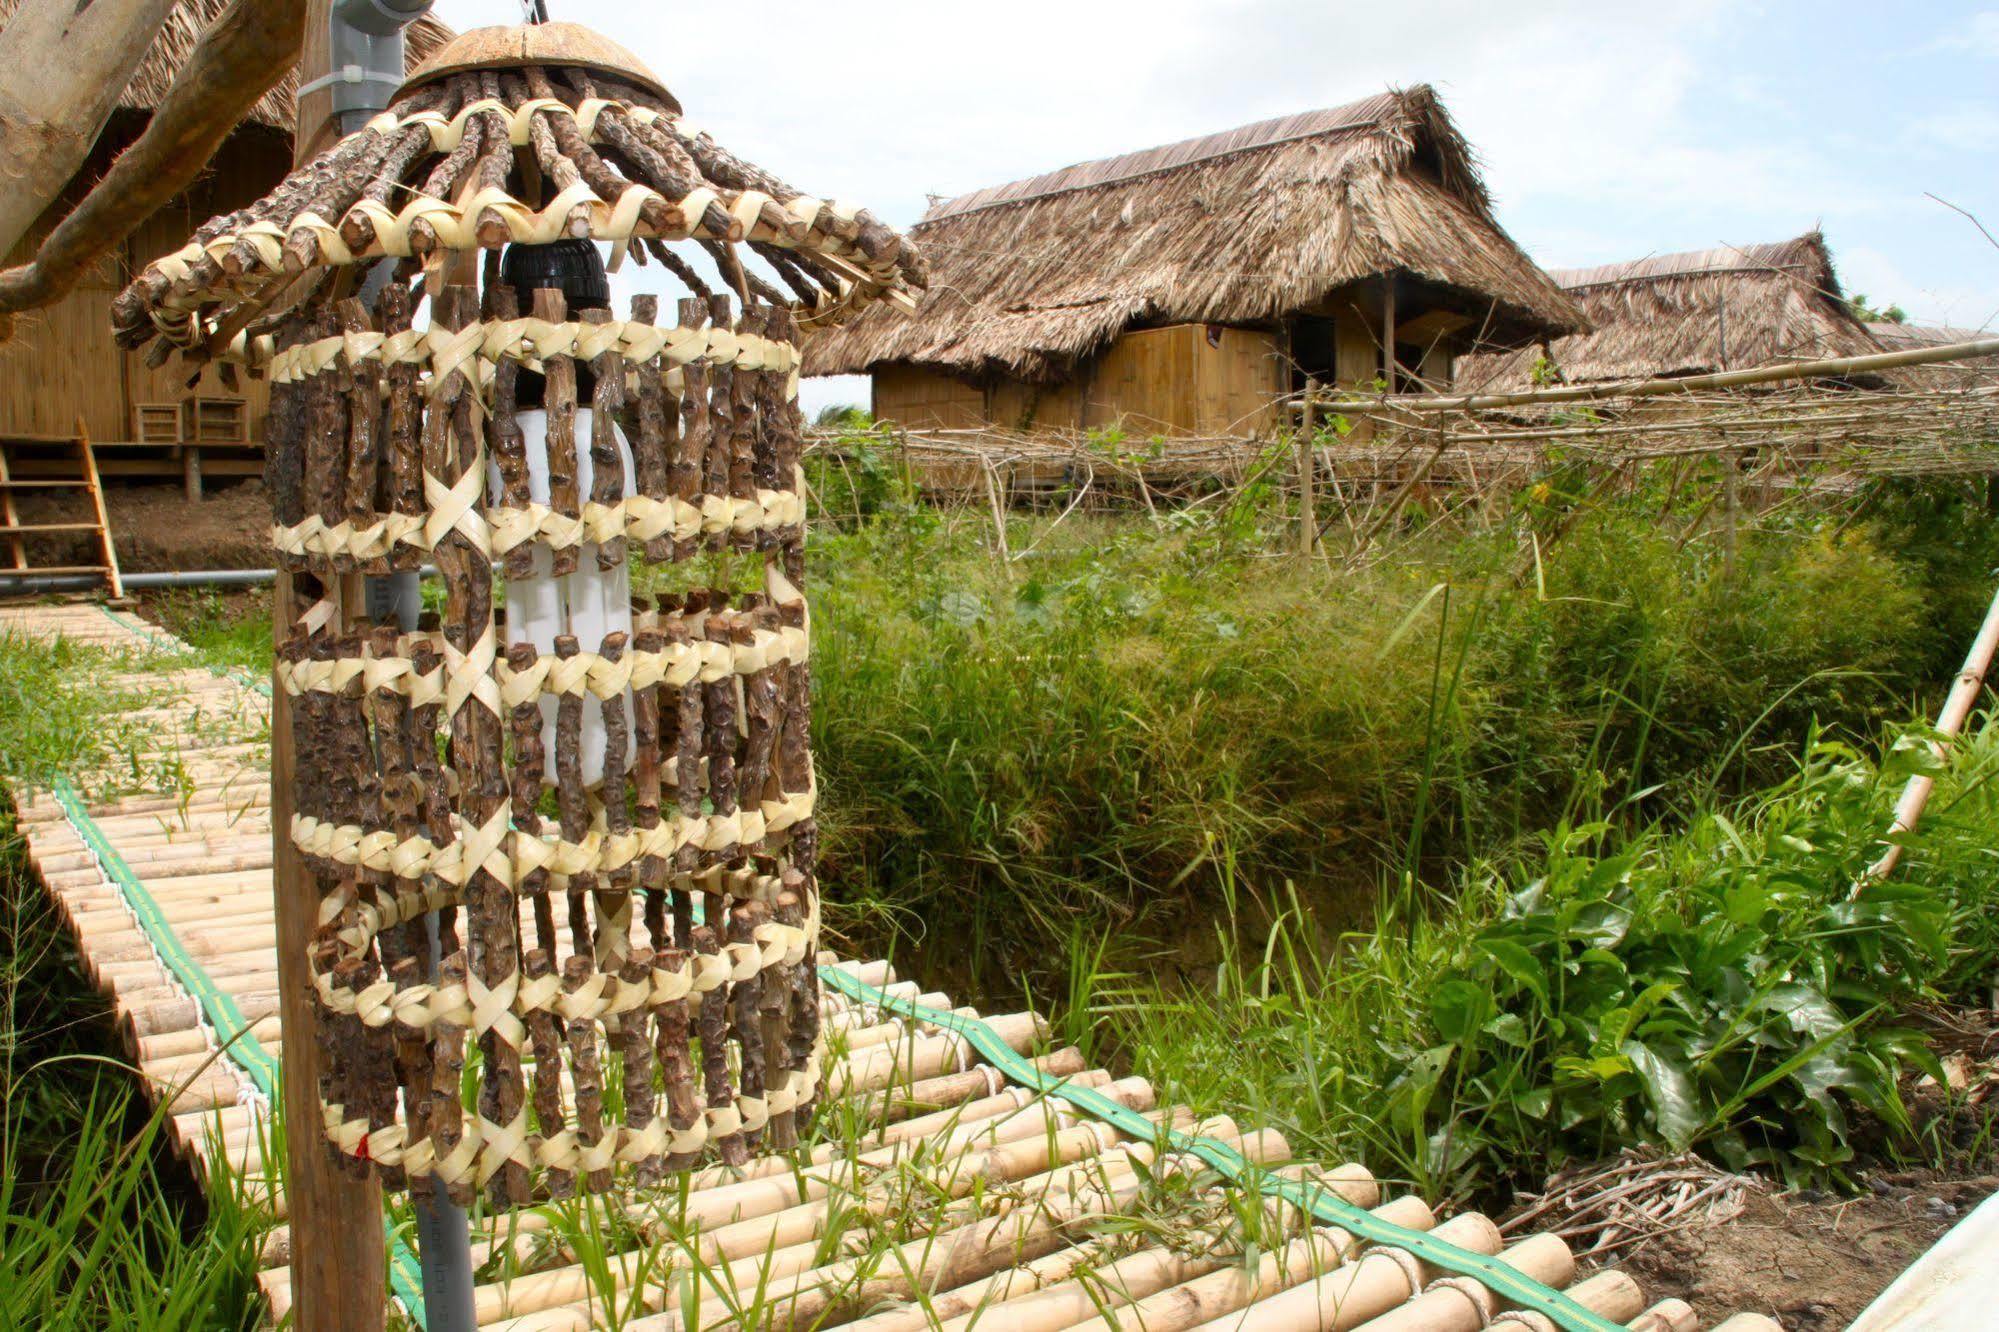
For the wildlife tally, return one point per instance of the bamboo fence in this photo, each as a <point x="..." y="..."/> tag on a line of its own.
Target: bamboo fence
<point x="1792" y="427"/>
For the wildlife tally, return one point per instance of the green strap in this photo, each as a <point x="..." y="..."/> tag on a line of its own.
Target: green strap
<point x="1319" y="1202"/>
<point x="166" y="643"/>
<point x="232" y="1030"/>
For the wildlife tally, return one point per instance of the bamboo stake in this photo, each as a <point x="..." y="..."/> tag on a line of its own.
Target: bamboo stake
<point x="1964" y="692"/>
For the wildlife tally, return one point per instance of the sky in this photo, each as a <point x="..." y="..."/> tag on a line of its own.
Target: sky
<point x="1606" y="130"/>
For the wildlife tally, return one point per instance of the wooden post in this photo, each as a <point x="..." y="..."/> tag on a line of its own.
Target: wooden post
<point x="12" y="517"/>
<point x="1388" y="330"/>
<point x="339" y="1261"/>
<point x="1731" y="481"/>
<point x="1308" y="508"/>
<point x="190" y="471"/>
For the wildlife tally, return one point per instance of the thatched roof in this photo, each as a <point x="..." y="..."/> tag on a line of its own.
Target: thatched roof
<point x="1239" y="227"/>
<point x="183" y="28"/>
<point x="1728" y="308"/>
<point x="1903" y="337"/>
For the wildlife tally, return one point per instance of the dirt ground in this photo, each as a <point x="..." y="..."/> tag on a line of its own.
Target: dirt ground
<point x="156" y="528"/>
<point x="1812" y="1262"/>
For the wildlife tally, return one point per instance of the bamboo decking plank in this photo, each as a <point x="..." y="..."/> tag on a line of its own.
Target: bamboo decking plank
<point x="1019" y="1179"/>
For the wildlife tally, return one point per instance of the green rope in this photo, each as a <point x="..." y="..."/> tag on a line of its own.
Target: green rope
<point x="232" y="1030"/>
<point x="1320" y="1203"/>
<point x="175" y="647"/>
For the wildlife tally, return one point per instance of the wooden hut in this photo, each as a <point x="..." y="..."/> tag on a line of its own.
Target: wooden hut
<point x="63" y="364"/>
<point x="1730" y="308"/>
<point x="1184" y="288"/>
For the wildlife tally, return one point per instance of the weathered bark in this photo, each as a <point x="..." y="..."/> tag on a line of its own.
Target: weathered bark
<point x="447" y="1113"/>
<point x="364" y="418"/>
<point x="721" y="416"/>
<point x="691" y="453"/>
<point x="689" y="710"/>
<point x="646" y="790"/>
<point x="585" y="1070"/>
<point x="782" y="1049"/>
<point x="635" y="1049"/>
<point x="509" y="444"/>
<point x="802" y="1029"/>
<point x="405" y="421"/>
<point x="545" y="1031"/>
<point x="717" y="1089"/>
<point x="676" y="1062"/>
<point x="614" y="906"/>
<point x="559" y="374"/>
<point x="572" y="800"/>
<point x="745" y="1011"/>
<point x="744" y="388"/>
<point x="526" y="777"/>
<point x="607" y="467"/>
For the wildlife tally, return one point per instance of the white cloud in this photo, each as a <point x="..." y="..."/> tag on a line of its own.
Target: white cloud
<point x="1966" y="127"/>
<point x="1980" y="35"/>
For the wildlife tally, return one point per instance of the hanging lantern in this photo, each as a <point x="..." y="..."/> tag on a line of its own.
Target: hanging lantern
<point x="602" y="808"/>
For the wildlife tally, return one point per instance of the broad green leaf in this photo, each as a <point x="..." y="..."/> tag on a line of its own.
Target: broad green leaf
<point x="1520" y="964"/>
<point x="1670" y="1091"/>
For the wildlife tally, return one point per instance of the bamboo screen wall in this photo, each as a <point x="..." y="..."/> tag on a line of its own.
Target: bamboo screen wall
<point x="63" y="362"/>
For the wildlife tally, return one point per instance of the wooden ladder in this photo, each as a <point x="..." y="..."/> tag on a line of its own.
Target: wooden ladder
<point x="16" y="533"/>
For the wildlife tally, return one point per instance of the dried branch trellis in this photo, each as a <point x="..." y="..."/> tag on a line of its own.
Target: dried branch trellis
<point x="1825" y="432"/>
<point x="631" y="962"/>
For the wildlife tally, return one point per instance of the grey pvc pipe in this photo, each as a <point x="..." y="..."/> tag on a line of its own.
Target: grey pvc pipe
<point x="367" y="50"/>
<point x="17" y="584"/>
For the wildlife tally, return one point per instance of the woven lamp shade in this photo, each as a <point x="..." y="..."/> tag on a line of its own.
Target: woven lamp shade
<point x="612" y="832"/>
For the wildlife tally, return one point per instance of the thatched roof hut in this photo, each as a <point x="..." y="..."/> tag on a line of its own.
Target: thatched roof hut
<point x="1728" y="308"/>
<point x="1375" y="211"/>
<point x="63" y="363"/>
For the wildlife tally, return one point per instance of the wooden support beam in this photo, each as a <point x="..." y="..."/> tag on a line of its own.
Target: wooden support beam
<point x="339" y="1266"/>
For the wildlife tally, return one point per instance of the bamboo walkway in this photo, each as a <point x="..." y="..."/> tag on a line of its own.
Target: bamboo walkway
<point x="943" y="1194"/>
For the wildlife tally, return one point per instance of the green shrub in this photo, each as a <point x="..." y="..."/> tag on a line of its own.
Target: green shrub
<point x="1712" y="987"/>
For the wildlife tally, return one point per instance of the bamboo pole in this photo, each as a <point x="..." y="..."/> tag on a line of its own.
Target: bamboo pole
<point x="1832" y="368"/>
<point x="1308" y="508"/>
<point x="1957" y="705"/>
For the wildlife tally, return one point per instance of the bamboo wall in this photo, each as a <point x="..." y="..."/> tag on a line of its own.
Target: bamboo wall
<point x="1183" y="379"/>
<point x="63" y="363"/>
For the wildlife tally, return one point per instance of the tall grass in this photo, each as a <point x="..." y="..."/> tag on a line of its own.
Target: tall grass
<point x="1087" y="735"/>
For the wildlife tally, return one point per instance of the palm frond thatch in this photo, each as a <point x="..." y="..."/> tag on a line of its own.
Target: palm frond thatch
<point x="1728" y="308"/>
<point x="1239" y="227"/>
<point x="183" y="28"/>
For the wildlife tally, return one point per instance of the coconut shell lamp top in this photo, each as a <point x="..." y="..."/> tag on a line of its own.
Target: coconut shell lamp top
<point x="600" y="807"/>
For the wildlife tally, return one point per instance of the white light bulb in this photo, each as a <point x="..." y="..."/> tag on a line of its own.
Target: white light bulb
<point x="587" y="604"/>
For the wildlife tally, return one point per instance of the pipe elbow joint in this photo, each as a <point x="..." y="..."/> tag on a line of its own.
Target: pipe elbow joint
<point x="379" y="18"/>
